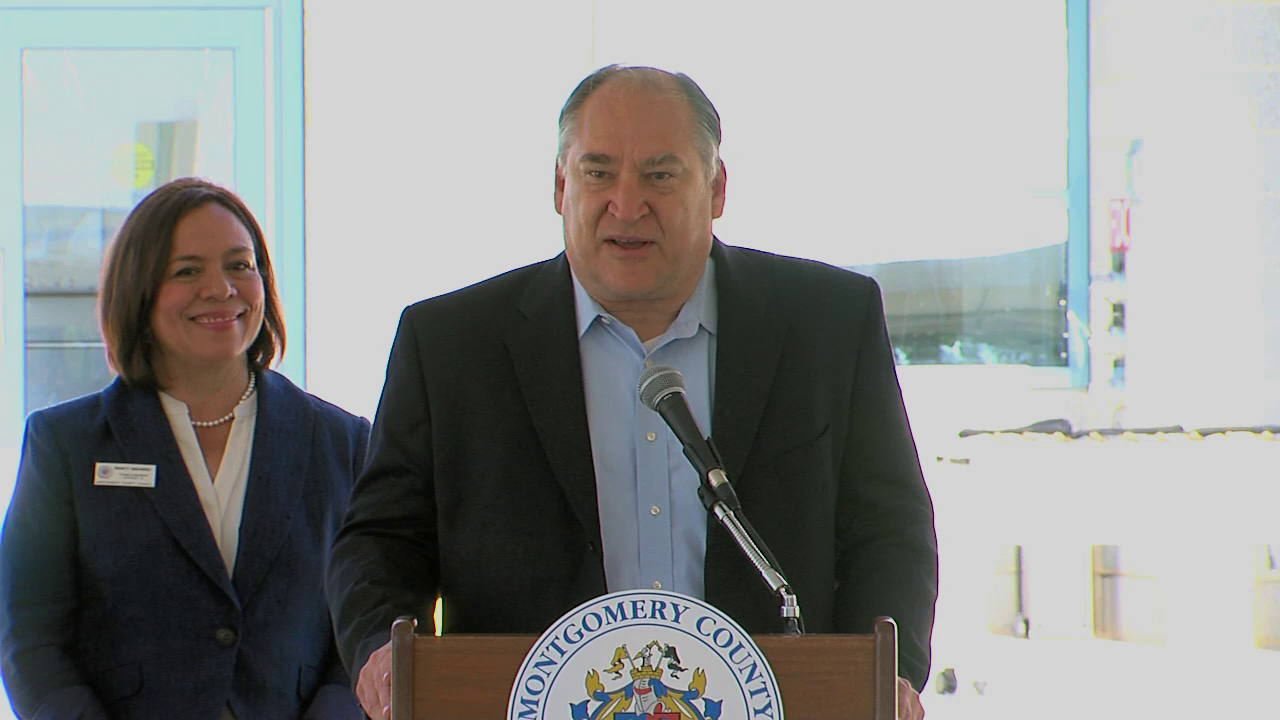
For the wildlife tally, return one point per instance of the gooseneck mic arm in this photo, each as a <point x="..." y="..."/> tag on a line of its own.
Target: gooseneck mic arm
<point x="661" y="389"/>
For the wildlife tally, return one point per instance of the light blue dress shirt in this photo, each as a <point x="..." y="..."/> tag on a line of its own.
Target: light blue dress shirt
<point x="652" y="524"/>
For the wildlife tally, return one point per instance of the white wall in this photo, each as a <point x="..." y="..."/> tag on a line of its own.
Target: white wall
<point x="853" y="133"/>
<point x="431" y="134"/>
<point x="1203" y="343"/>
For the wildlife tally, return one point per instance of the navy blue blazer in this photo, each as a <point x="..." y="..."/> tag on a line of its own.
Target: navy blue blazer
<point x="115" y="601"/>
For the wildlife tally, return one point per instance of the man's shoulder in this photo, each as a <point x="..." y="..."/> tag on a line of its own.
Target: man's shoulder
<point x="798" y="278"/>
<point x="498" y="294"/>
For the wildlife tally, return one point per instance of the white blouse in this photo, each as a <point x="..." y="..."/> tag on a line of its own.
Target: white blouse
<point x="223" y="497"/>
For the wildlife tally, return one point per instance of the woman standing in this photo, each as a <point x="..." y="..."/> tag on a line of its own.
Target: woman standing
<point x="164" y="552"/>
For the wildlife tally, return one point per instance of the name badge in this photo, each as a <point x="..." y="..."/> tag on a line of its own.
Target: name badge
<point x="124" y="475"/>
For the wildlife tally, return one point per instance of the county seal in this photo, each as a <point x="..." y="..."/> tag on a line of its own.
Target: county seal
<point x="645" y="655"/>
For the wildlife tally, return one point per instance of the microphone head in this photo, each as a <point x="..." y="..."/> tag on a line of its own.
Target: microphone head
<point x="657" y="382"/>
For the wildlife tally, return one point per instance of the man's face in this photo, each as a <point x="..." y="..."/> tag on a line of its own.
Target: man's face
<point x="636" y="199"/>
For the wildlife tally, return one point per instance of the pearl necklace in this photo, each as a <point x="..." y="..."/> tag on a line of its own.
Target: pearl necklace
<point x="253" y="381"/>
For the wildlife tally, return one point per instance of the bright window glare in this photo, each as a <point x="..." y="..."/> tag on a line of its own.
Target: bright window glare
<point x="863" y="133"/>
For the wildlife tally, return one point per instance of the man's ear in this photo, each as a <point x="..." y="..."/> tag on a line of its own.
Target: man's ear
<point x="559" y="189"/>
<point x="717" y="191"/>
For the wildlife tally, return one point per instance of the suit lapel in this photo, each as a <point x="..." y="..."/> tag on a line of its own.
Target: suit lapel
<point x="748" y="346"/>
<point x="139" y="424"/>
<point x="544" y="350"/>
<point x="278" y="467"/>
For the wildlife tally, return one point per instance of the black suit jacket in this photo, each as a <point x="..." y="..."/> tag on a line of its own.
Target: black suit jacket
<point x="480" y="485"/>
<point x="116" y="599"/>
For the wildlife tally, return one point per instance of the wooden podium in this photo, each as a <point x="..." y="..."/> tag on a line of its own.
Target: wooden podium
<point x="469" y="677"/>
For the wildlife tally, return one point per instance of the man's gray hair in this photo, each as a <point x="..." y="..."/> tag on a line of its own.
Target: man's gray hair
<point x="705" y="118"/>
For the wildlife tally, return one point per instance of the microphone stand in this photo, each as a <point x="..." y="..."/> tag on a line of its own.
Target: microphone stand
<point x="718" y="497"/>
<point x="661" y="389"/>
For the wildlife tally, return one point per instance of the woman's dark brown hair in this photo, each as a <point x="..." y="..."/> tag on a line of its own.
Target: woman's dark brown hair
<point x="136" y="262"/>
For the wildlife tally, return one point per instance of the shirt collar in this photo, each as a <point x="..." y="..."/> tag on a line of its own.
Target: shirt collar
<point x="701" y="307"/>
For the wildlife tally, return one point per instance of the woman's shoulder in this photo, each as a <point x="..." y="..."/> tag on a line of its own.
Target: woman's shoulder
<point x="78" y="424"/>
<point x="325" y="412"/>
<point x="83" y="410"/>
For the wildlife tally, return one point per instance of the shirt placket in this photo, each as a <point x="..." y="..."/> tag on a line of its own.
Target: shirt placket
<point x="653" y="500"/>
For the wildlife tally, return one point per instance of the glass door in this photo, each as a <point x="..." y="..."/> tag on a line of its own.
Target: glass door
<point x="97" y="108"/>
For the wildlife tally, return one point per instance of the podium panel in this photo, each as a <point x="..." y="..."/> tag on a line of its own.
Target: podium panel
<point x="469" y="677"/>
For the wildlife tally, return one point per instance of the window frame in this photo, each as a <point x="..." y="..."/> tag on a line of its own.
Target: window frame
<point x="282" y="218"/>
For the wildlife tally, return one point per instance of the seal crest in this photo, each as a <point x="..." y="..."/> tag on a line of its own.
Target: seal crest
<point x="644" y="655"/>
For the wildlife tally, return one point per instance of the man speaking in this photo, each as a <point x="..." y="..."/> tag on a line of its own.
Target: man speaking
<point x="514" y="471"/>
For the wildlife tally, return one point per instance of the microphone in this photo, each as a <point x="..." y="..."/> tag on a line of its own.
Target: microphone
<point x="661" y="389"/>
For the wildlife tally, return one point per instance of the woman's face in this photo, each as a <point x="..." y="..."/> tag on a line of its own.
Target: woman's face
<point x="209" y="305"/>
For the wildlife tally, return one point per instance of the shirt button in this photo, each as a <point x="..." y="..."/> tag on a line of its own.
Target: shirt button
<point x="225" y="637"/>
<point x="648" y="362"/>
<point x="651" y="437"/>
<point x="657" y="584"/>
<point x="655" y="510"/>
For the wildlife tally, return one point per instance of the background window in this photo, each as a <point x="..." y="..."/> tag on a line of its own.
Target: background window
<point x="64" y="351"/>
<point x="101" y="130"/>
<point x="1001" y="309"/>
